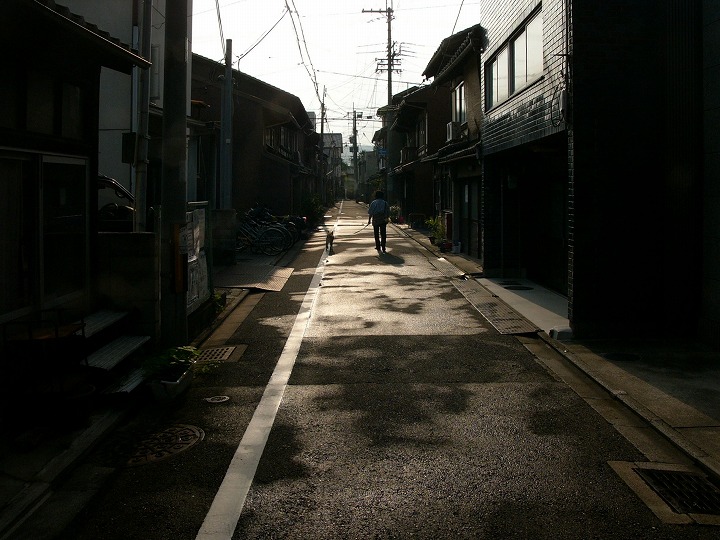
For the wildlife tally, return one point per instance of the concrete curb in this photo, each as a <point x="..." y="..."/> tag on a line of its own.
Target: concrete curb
<point x="704" y="460"/>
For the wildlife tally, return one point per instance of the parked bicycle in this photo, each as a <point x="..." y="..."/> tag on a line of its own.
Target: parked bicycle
<point x="270" y="240"/>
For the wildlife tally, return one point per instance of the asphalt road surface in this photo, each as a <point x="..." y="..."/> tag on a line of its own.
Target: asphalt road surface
<point x="371" y="401"/>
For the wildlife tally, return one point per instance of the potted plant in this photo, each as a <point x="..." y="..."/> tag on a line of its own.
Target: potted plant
<point x="395" y="213"/>
<point x="436" y="228"/>
<point x="170" y="371"/>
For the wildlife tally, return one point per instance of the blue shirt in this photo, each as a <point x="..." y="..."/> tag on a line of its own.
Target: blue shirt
<point x="378" y="210"/>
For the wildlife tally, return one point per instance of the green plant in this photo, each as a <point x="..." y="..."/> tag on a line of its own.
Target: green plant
<point x="436" y="225"/>
<point x="175" y="361"/>
<point x="312" y="209"/>
<point x="219" y="301"/>
<point x="395" y="213"/>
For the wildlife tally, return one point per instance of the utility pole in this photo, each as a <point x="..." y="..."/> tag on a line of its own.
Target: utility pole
<point x="226" y="129"/>
<point x="390" y="56"/>
<point x="322" y="150"/>
<point x="355" y="147"/>
<point x="173" y="254"/>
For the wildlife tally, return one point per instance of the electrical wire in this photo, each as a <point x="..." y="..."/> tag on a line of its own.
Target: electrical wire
<point x="313" y="78"/>
<point x="243" y="55"/>
<point x="458" y="17"/>
<point x="222" y="37"/>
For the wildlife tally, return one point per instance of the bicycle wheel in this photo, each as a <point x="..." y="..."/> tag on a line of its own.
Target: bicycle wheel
<point x="294" y="232"/>
<point x="287" y="236"/>
<point x="271" y="241"/>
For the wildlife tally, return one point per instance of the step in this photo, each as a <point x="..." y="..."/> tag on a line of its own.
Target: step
<point x="128" y="383"/>
<point x="110" y="355"/>
<point x="100" y="320"/>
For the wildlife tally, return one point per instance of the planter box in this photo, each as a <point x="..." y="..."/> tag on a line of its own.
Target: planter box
<point x="164" y="390"/>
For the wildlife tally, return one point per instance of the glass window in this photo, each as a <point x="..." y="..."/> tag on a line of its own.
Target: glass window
<point x="64" y="207"/>
<point x="502" y="75"/>
<point x="72" y="120"/>
<point x="40" y="112"/>
<point x="519" y="61"/>
<point x="516" y="65"/>
<point x="490" y="90"/>
<point x="16" y="234"/>
<point x="459" y="103"/>
<point x="534" y="49"/>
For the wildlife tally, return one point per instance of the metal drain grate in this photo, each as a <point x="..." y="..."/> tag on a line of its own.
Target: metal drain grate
<point x="216" y="354"/>
<point x="685" y="492"/>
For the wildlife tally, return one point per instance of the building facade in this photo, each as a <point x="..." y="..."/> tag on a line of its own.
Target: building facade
<point x="590" y="179"/>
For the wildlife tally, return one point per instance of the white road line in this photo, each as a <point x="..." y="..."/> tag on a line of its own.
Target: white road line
<point x="224" y="513"/>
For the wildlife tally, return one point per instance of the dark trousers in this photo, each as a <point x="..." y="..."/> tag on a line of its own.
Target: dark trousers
<point x="380" y="232"/>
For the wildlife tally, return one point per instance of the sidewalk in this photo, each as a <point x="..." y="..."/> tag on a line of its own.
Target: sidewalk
<point x="674" y="385"/>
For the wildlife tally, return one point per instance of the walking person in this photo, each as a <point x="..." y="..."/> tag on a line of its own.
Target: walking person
<point x="378" y="213"/>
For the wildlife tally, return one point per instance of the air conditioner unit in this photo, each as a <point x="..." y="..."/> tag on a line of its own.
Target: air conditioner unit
<point x="453" y="131"/>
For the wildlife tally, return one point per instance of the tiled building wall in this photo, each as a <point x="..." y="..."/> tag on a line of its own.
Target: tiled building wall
<point x="529" y="113"/>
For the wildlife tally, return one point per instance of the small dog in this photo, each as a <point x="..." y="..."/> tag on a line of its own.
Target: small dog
<point x="329" y="239"/>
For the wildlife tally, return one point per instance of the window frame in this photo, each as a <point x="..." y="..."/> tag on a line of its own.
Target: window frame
<point x="506" y="54"/>
<point x="459" y="104"/>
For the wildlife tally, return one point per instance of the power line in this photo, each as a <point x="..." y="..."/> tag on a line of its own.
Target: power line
<point x="243" y="55"/>
<point x="458" y="17"/>
<point x="313" y="79"/>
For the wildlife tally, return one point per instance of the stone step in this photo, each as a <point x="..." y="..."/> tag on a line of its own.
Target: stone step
<point x="128" y="383"/>
<point x="110" y="355"/>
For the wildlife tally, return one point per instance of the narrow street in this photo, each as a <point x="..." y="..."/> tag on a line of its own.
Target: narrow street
<point x="380" y="404"/>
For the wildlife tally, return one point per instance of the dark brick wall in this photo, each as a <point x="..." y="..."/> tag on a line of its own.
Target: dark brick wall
<point x="629" y="200"/>
<point x="710" y="311"/>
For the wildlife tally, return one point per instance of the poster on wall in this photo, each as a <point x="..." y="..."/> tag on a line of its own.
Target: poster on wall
<point x="198" y="279"/>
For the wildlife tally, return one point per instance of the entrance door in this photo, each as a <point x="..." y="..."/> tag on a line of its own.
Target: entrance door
<point x="64" y="233"/>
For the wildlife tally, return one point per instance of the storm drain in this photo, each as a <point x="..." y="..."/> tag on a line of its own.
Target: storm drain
<point x="685" y="492"/>
<point x="167" y="443"/>
<point x="216" y="354"/>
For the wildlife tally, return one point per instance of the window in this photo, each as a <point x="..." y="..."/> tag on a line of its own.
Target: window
<point x="17" y="193"/>
<point x="528" y="54"/>
<point x="422" y="131"/>
<point x="64" y="220"/>
<point x="516" y="65"/>
<point x="458" y="97"/>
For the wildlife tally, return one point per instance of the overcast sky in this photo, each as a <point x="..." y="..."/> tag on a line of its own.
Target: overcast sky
<point x="331" y="44"/>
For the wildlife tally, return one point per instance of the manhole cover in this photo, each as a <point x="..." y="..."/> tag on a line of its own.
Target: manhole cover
<point x="165" y="444"/>
<point x="215" y="354"/>
<point x="217" y="399"/>
<point x="517" y="288"/>
<point x="685" y="492"/>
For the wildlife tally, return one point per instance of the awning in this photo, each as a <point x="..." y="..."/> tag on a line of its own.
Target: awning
<point x="44" y="28"/>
